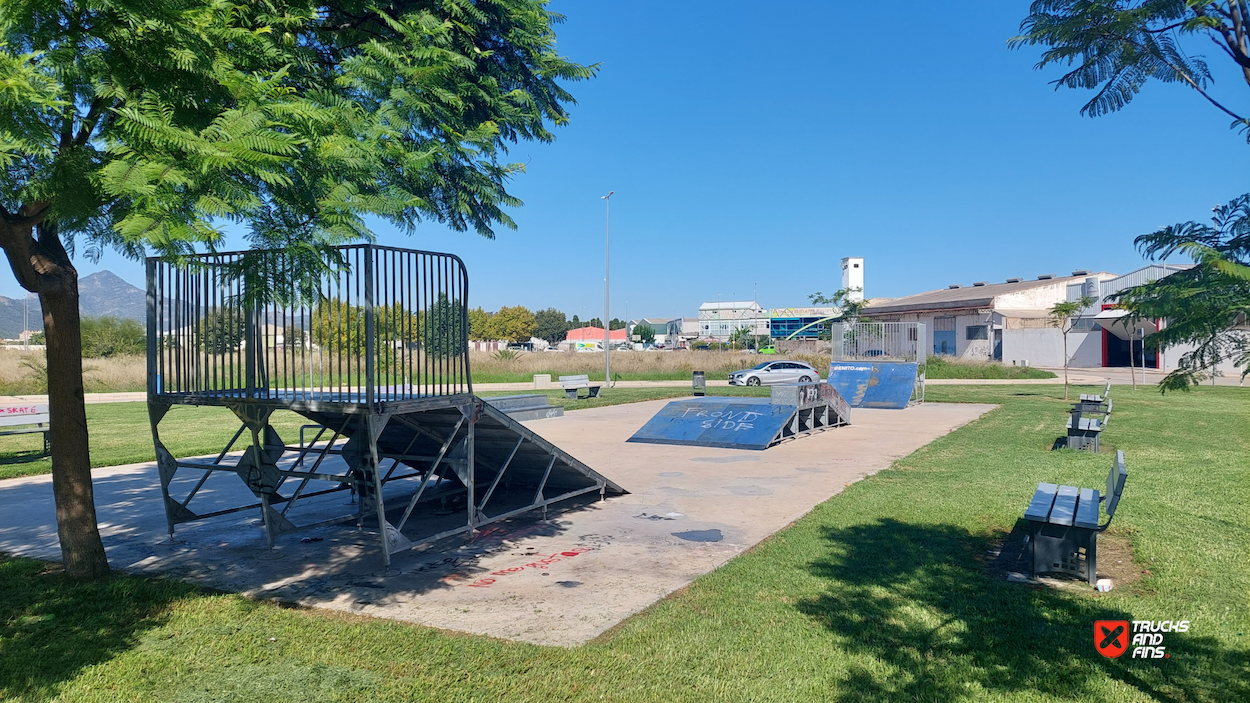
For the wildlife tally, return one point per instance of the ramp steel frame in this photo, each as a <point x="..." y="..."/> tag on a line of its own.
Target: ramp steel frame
<point x="372" y="346"/>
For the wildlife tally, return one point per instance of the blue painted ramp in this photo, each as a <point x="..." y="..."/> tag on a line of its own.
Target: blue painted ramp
<point x="868" y="385"/>
<point x="734" y="423"/>
<point x="792" y="412"/>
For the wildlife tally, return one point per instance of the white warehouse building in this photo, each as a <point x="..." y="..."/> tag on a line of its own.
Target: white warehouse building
<point x="1010" y="321"/>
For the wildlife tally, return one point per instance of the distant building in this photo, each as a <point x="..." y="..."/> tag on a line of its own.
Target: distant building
<point x="667" y="330"/>
<point x="853" y="278"/>
<point x="803" y="323"/>
<point x="591" y="336"/>
<point x="720" y="320"/>
<point x="1006" y="322"/>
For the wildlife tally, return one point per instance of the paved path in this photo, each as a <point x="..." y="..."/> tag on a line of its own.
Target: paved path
<point x="559" y="582"/>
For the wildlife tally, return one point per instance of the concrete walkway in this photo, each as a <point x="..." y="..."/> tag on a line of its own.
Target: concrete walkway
<point x="558" y="582"/>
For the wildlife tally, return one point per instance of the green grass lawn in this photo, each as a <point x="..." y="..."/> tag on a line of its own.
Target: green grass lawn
<point x="947" y="367"/>
<point x="880" y="594"/>
<point x="120" y="434"/>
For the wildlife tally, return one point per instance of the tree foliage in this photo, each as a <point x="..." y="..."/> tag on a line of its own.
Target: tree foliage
<point x="1063" y="315"/>
<point x="551" y="325"/>
<point x="222" y="329"/>
<point x="147" y="127"/>
<point x="110" y="336"/>
<point x="646" y="335"/>
<point x="1205" y="306"/>
<point x="849" y="308"/>
<point x="514" y="324"/>
<point x="1115" y="47"/>
<point x="479" y="325"/>
<point x="444" y="328"/>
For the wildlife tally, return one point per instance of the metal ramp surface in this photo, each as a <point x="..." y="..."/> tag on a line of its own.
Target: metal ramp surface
<point x="887" y="385"/>
<point x="420" y="476"/>
<point x="793" y="411"/>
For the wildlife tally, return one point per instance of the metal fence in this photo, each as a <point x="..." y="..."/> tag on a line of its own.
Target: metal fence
<point x="357" y="324"/>
<point x="878" y="341"/>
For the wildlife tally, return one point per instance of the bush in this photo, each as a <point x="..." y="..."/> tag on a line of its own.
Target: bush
<point x="949" y="367"/>
<point x="110" y="336"/>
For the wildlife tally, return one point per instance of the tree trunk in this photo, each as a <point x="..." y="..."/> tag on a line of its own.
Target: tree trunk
<point x="1065" y="365"/>
<point x="41" y="265"/>
<point x="82" y="551"/>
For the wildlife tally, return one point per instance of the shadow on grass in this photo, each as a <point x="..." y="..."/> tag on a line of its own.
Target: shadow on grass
<point x="930" y="623"/>
<point x="52" y="628"/>
<point x="24" y="457"/>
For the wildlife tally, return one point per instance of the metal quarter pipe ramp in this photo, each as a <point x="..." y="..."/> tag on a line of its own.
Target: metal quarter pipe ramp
<point x="793" y="411"/>
<point x="376" y="355"/>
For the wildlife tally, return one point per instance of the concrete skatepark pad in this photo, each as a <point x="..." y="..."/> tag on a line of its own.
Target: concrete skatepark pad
<point x="747" y="423"/>
<point x="560" y="582"/>
<point x="886" y="385"/>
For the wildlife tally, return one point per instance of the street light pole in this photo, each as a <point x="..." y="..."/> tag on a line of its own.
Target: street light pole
<point x="607" y="268"/>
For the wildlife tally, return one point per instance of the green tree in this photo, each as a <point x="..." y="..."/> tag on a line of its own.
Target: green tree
<point x="616" y="324"/>
<point x="515" y="324"/>
<point x="446" y="328"/>
<point x="1115" y="47"/>
<point x="849" y="308"/>
<point x="575" y="323"/>
<point x="480" y="326"/>
<point x="1205" y="306"/>
<point x="551" y="325"/>
<point x="1063" y="316"/>
<point x="742" y="338"/>
<point x="145" y="126"/>
<point x="595" y="322"/>
<point x="646" y="335"/>
<point x="222" y="330"/>
<point x="110" y="336"/>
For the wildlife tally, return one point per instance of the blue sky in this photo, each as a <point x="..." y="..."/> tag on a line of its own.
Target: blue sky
<point x="756" y="144"/>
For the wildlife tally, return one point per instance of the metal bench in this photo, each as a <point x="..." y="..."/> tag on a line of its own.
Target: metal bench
<point x="573" y="384"/>
<point x="1090" y="398"/>
<point x="1083" y="432"/>
<point x="1089" y="406"/>
<point x="1063" y="524"/>
<point x="18" y="419"/>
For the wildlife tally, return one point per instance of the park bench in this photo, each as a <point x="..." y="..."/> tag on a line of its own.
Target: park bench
<point x="1083" y="431"/>
<point x="25" y="419"/>
<point x="1063" y="524"/>
<point x="573" y="384"/>
<point x="1089" y="406"/>
<point x="1091" y="398"/>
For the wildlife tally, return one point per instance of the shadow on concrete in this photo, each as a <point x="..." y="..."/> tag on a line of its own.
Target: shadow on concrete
<point x="53" y="628"/>
<point x="930" y="623"/>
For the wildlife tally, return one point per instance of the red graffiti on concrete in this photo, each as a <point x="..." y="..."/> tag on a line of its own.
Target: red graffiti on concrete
<point x="542" y="563"/>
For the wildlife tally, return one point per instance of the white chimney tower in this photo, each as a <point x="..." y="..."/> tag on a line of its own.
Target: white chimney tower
<point x="853" y="277"/>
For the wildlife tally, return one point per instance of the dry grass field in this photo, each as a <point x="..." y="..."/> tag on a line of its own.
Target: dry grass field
<point x="24" y="373"/>
<point x="626" y="366"/>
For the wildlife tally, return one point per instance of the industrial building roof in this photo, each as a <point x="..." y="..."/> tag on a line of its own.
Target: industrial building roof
<point x="730" y="305"/>
<point x="978" y="295"/>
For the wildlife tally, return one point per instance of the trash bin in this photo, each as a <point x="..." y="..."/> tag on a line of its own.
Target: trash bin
<point x="700" y="383"/>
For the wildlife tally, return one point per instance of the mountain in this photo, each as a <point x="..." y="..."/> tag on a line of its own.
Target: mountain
<point x="105" y="294"/>
<point x="100" y="294"/>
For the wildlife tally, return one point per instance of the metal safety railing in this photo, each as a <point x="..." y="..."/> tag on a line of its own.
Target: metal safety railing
<point x="358" y="323"/>
<point x="878" y="341"/>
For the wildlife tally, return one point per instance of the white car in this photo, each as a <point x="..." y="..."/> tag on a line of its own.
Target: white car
<point x="774" y="372"/>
